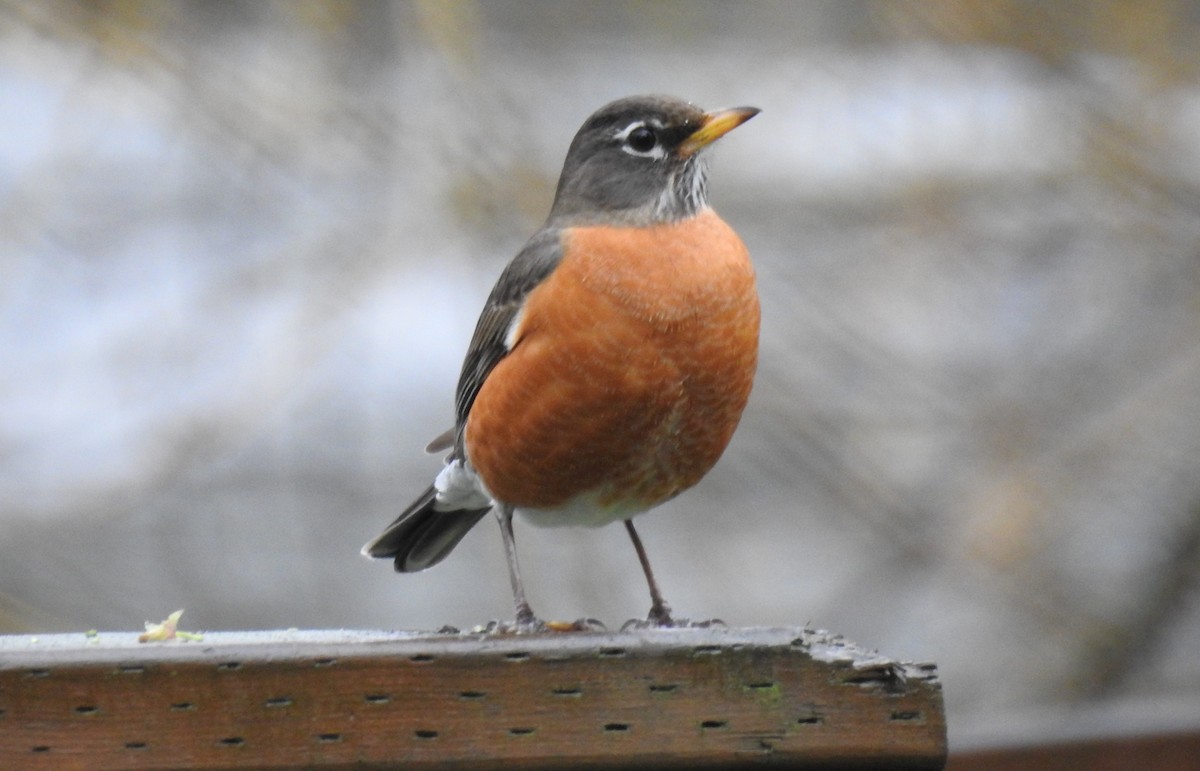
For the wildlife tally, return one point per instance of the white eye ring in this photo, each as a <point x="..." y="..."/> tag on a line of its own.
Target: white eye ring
<point x="657" y="151"/>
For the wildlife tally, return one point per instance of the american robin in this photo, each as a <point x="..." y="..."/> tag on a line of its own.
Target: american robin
<point x="613" y="358"/>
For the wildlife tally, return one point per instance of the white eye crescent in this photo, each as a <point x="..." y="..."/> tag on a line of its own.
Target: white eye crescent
<point x="641" y="139"/>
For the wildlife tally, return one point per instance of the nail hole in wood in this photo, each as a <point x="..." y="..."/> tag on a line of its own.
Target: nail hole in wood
<point x="664" y="687"/>
<point x="131" y="669"/>
<point x="616" y="727"/>
<point x="329" y="738"/>
<point x="40" y="748"/>
<point x="471" y="694"/>
<point x="612" y="653"/>
<point x="886" y="677"/>
<point x="229" y="666"/>
<point x="377" y="698"/>
<point x="232" y="741"/>
<point x="521" y="731"/>
<point x="813" y="719"/>
<point x="906" y="715"/>
<point x="421" y="658"/>
<point x="424" y="733"/>
<point x="278" y="701"/>
<point x="761" y="685"/>
<point x="326" y="662"/>
<point x="710" y="724"/>
<point x="135" y="745"/>
<point x="568" y="691"/>
<point x="183" y="706"/>
<point x="517" y="656"/>
<point x="90" y="709"/>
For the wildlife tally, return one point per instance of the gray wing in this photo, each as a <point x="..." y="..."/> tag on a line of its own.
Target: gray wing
<point x="537" y="260"/>
<point x="422" y="536"/>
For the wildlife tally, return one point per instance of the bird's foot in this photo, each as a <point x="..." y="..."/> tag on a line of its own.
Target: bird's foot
<point x="660" y="618"/>
<point x="519" y="626"/>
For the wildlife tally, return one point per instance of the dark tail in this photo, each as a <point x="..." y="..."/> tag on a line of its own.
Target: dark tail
<point x="421" y="537"/>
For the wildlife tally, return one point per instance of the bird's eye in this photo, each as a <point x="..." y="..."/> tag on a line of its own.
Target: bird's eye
<point x="642" y="139"/>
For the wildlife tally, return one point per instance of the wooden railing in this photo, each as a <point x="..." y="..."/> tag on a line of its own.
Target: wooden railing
<point x="686" y="698"/>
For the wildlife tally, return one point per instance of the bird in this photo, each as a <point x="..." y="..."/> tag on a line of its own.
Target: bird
<point x="613" y="358"/>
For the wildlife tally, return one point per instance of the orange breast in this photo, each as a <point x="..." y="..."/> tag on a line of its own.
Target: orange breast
<point x="632" y="364"/>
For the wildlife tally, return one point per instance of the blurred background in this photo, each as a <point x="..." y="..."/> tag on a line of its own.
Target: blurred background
<point x="243" y="246"/>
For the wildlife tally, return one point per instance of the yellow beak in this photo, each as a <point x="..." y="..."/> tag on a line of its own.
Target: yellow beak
<point x="715" y="125"/>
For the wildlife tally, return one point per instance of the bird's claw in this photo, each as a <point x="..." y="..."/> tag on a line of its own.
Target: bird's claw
<point x="667" y="622"/>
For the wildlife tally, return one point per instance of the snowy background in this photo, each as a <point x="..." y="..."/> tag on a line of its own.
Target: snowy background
<point x="243" y="246"/>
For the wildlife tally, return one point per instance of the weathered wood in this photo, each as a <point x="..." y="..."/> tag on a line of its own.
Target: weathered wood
<point x="713" y="697"/>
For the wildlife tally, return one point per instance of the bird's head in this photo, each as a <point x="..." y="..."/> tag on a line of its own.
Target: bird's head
<point x="640" y="160"/>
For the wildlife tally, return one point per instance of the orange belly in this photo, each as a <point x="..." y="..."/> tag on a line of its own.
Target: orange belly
<point x="632" y="364"/>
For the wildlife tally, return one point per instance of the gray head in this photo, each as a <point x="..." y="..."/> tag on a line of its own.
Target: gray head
<point x="640" y="160"/>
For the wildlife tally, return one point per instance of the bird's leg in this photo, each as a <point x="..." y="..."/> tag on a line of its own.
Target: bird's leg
<point x="525" y="617"/>
<point x="660" y="611"/>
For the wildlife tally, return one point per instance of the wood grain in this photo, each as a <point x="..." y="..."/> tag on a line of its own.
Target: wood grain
<point x="687" y="698"/>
